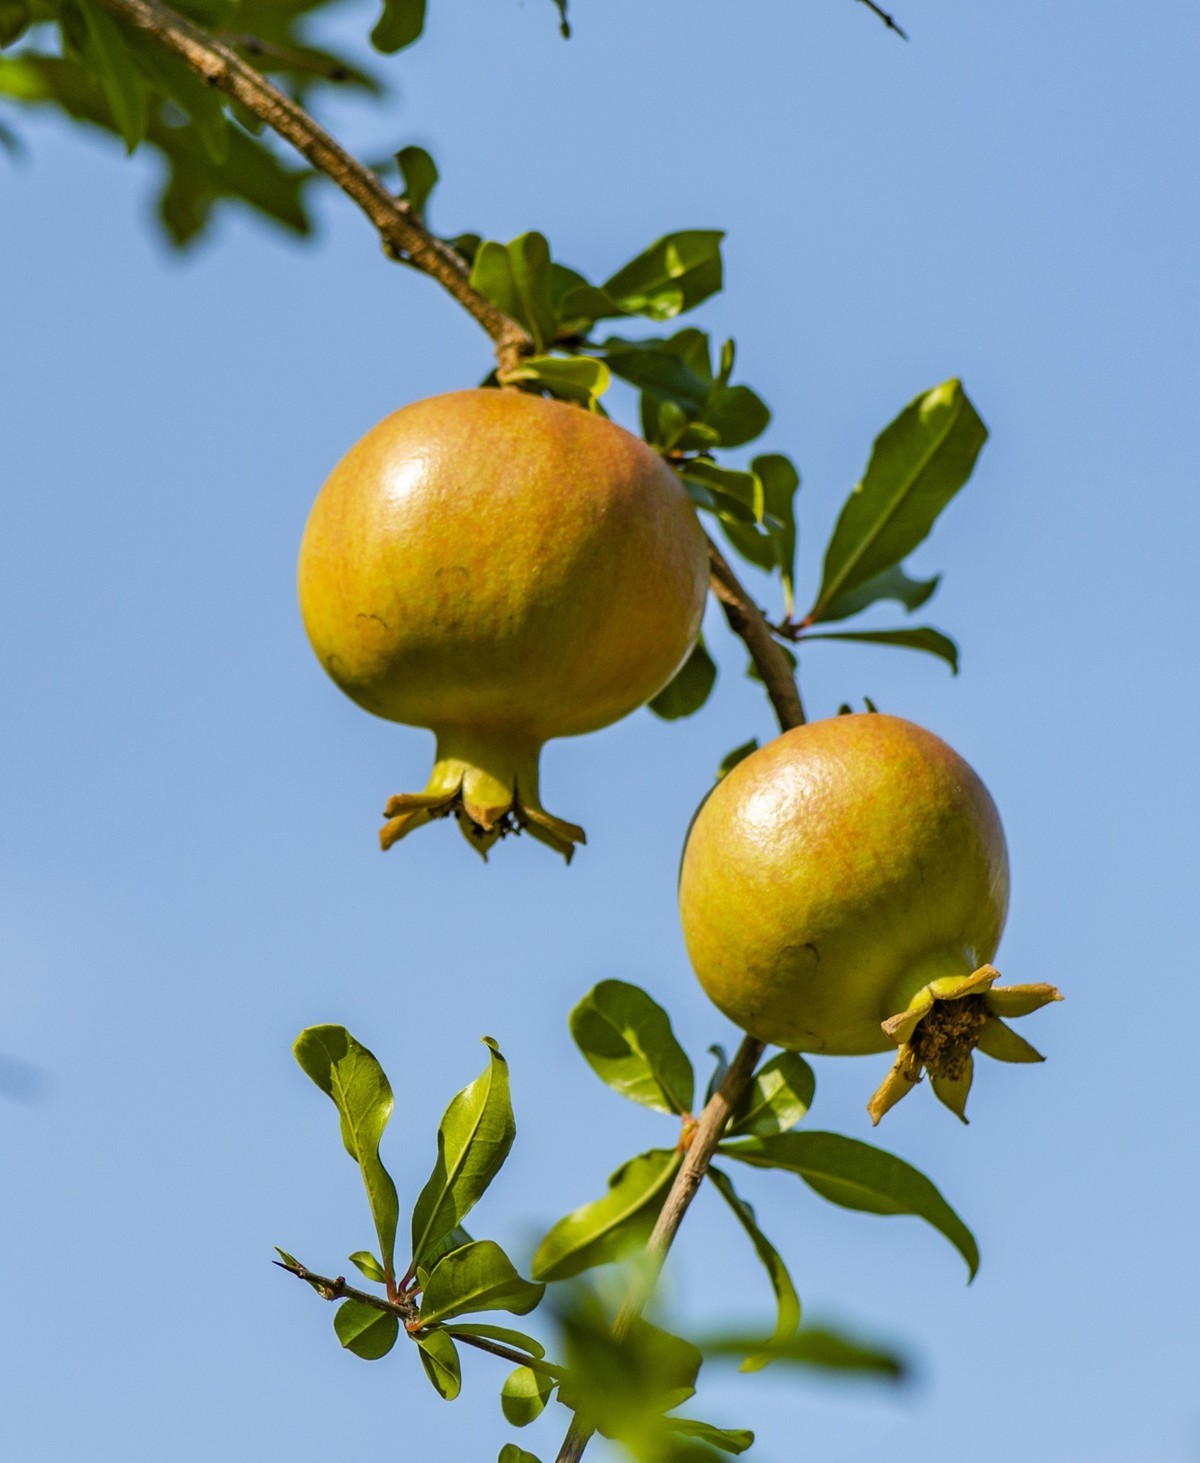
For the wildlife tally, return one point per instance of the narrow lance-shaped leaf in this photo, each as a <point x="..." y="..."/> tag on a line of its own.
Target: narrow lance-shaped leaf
<point x="474" y="1138"/>
<point x="611" y="1228"/>
<point x="478" y="1277"/>
<point x="918" y="464"/>
<point x="109" y="56"/>
<point x="892" y="584"/>
<point x="504" y="1334"/>
<point x="349" y="1075"/>
<point x="786" y="1300"/>
<point x="367" y="1332"/>
<point x="921" y="637"/>
<point x="728" y="1440"/>
<point x="626" y="1039"/>
<point x="817" y="1346"/>
<point x="857" y="1176"/>
<point x="690" y="687"/>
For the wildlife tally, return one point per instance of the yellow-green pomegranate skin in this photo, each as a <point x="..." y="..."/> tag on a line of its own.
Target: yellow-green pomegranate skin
<point x="835" y="872"/>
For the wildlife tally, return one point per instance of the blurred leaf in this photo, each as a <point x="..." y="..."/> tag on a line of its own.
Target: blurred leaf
<point x="439" y="1357"/>
<point x="564" y="29"/>
<point x="365" y="1331"/>
<point x="179" y="82"/>
<point x="420" y="175"/>
<point x="611" y="1228"/>
<point x="474" y="1139"/>
<point x="671" y="276"/>
<point x="689" y="688"/>
<point x="917" y="465"/>
<point x="517" y="278"/>
<point x="922" y="637"/>
<point x="626" y="1039"/>
<point x="731" y="759"/>
<point x="504" y="1334"/>
<point x="524" y="1395"/>
<point x="479" y="1277"/>
<point x="348" y="1074"/>
<point x="857" y="1176"/>
<point x="893" y="583"/>
<point x="779" y="1096"/>
<point x="572" y="378"/>
<point x="817" y="1346"/>
<point x="510" y="1453"/>
<point x="366" y="1263"/>
<point x="727" y="1440"/>
<point x="400" y="25"/>
<point x="108" y="55"/>
<point x="786" y="1300"/>
<point x="14" y="21"/>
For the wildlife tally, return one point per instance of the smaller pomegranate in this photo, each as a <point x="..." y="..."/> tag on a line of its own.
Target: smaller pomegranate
<point x="502" y="569"/>
<point x="843" y="889"/>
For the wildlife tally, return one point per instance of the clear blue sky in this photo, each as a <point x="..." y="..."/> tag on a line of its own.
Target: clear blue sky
<point x="188" y="873"/>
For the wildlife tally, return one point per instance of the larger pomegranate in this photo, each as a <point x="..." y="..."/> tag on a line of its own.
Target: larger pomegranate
<point x="502" y="569"/>
<point x="844" y="888"/>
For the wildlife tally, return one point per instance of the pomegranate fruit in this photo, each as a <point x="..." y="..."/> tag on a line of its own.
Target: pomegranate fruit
<point x="501" y="569"/>
<point x="844" y="888"/>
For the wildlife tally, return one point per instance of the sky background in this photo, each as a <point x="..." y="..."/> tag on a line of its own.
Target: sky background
<point x="189" y="873"/>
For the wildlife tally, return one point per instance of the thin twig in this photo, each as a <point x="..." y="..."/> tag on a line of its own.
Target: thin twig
<point x="404" y="237"/>
<point x="748" y="621"/>
<point x="887" y="19"/>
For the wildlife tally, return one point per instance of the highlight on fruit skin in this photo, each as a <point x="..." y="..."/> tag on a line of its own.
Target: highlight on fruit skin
<point x="502" y="569"/>
<point x="844" y="890"/>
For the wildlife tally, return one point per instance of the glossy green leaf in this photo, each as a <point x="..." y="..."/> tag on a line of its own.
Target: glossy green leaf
<point x="781" y="482"/>
<point x="478" y="1277"/>
<point x="107" y="53"/>
<point x="614" y="1227"/>
<point x="626" y="1039"/>
<point x="504" y="1334"/>
<point x="817" y="1346"/>
<point x="572" y="378"/>
<point x="510" y="1453"/>
<point x="922" y="637"/>
<point x="400" y="25"/>
<point x="737" y="415"/>
<point x="453" y="1239"/>
<point x="779" y="1096"/>
<point x="731" y="759"/>
<point x="857" y="1176"/>
<point x="365" y="1331"/>
<point x="917" y="465"/>
<point x="675" y="274"/>
<point x="738" y="494"/>
<point x="689" y="688"/>
<point x="517" y="278"/>
<point x="366" y="1263"/>
<point x="14" y="21"/>
<point x="420" y="175"/>
<point x="524" y="1395"/>
<point x="787" y="1302"/>
<point x="726" y="1440"/>
<point x="439" y="1357"/>
<point x="676" y="368"/>
<point x="474" y="1138"/>
<point x="350" y="1076"/>
<point x="892" y="584"/>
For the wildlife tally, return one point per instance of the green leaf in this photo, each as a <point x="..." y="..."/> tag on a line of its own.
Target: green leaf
<point x="504" y="1334"/>
<point x="400" y="25"/>
<point x="857" y="1176"/>
<point x="517" y="278"/>
<point x="201" y="103"/>
<point x="677" y="368"/>
<point x="572" y="378"/>
<point x="420" y="175"/>
<point x="893" y="584"/>
<point x="348" y="1073"/>
<point x="689" y="688"/>
<point x="781" y="482"/>
<point x="524" y="1395"/>
<point x="731" y="494"/>
<point x="611" y="1228"/>
<point x="727" y="1440"/>
<point x="365" y="1262"/>
<point x="623" y="1384"/>
<point x="817" y="1346"/>
<point x="779" y="1096"/>
<point x="454" y="1239"/>
<point x="439" y="1357"/>
<point x="14" y="21"/>
<point x="673" y="275"/>
<point x="479" y="1277"/>
<point x="731" y="759"/>
<point x="737" y="415"/>
<point x="787" y="1302"/>
<point x="510" y="1453"/>
<point x="564" y="30"/>
<point x="933" y="642"/>
<point x="917" y="465"/>
<point x="107" y="53"/>
<point x="626" y="1039"/>
<point x="474" y="1138"/>
<point x="365" y="1331"/>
